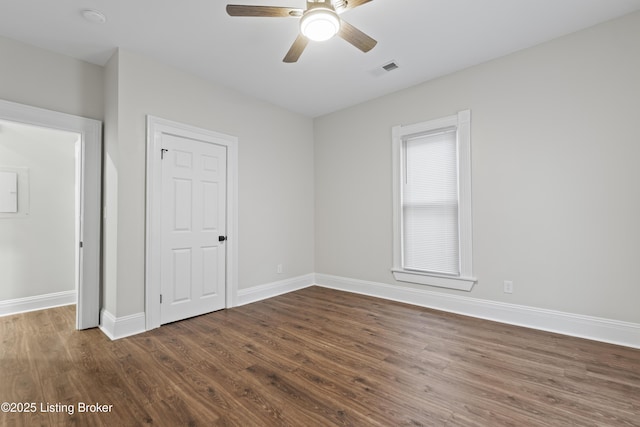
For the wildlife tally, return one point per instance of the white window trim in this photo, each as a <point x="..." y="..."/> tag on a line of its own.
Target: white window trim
<point x="465" y="280"/>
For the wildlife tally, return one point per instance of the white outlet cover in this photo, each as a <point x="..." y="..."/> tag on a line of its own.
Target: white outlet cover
<point x="508" y="287"/>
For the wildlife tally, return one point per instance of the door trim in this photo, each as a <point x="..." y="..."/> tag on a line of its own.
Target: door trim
<point x="155" y="128"/>
<point x="89" y="194"/>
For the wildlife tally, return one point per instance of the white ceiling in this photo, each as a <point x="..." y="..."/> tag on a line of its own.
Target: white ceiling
<point x="427" y="39"/>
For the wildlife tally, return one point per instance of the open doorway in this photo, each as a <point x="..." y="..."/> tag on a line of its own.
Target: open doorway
<point x="50" y="173"/>
<point x="39" y="214"/>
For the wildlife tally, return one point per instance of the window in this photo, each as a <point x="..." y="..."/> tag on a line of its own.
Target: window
<point x="432" y="202"/>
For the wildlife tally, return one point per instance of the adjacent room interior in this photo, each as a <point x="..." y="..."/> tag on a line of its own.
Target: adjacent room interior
<point x="297" y="153"/>
<point x="40" y="227"/>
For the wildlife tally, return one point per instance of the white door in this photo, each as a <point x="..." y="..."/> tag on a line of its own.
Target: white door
<point x="193" y="227"/>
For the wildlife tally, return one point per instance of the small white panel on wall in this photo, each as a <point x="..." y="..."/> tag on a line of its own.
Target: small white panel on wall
<point x="8" y="192"/>
<point x="14" y="192"/>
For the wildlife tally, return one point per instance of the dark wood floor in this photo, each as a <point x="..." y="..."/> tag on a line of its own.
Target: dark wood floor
<point x="315" y="357"/>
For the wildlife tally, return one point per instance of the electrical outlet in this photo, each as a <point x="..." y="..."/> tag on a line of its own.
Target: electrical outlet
<point x="279" y="269"/>
<point x="508" y="287"/>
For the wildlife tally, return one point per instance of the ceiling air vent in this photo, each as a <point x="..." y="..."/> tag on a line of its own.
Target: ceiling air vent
<point x="390" y="66"/>
<point x="384" y="69"/>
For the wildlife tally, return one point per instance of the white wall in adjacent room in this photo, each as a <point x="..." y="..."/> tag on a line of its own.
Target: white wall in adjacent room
<point x="37" y="244"/>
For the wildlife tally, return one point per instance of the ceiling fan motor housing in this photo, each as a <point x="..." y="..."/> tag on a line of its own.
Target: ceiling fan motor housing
<point x="320" y="21"/>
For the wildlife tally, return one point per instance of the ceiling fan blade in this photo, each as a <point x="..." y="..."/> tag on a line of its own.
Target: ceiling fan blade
<point x="264" y="11"/>
<point x="296" y="49"/>
<point x="356" y="37"/>
<point x="342" y="5"/>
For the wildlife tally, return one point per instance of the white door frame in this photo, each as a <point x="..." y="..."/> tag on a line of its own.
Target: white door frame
<point x="89" y="193"/>
<point x="155" y="128"/>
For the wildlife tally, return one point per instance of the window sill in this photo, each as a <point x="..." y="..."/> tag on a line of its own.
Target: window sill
<point x="458" y="283"/>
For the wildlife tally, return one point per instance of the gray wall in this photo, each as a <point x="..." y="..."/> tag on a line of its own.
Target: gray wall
<point x="275" y="173"/>
<point x="275" y="158"/>
<point x="556" y="187"/>
<point x="36" y="77"/>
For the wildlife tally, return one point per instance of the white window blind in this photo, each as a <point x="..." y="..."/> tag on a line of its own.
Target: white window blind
<point x="432" y="216"/>
<point x="430" y="203"/>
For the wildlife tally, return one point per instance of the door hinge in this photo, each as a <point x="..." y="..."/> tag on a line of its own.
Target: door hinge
<point x="162" y="151"/>
<point x="160" y="298"/>
<point x="81" y="244"/>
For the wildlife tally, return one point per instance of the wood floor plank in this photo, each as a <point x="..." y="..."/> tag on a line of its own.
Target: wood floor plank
<point x="316" y="357"/>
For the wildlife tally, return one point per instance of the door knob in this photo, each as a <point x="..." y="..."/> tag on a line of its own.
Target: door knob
<point x="222" y="238"/>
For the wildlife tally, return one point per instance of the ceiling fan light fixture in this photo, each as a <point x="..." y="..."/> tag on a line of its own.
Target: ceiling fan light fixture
<point x="320" y="24"/>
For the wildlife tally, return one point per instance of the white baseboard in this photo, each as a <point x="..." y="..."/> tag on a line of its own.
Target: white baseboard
<point x="269" y="290"/>
<point x="38" y="302"/>
<point x="120" y="327"/>
<point x="116" y="328"/>
<point x="589" y="327"/>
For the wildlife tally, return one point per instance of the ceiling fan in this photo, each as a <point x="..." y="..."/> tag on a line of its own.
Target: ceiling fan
<point x="318" y="22"/>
